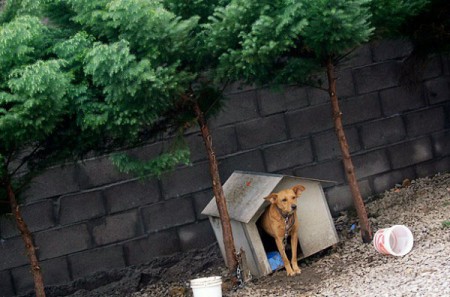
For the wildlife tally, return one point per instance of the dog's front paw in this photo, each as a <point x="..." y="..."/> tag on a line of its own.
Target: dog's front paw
<point x="290" y="272"/>
<point x="297" y="270"/>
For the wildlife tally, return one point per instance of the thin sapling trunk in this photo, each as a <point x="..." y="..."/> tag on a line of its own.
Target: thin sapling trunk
<point x="28" y="240"/>
<point x="218" y="192"/>
<point x="366" y="232"/>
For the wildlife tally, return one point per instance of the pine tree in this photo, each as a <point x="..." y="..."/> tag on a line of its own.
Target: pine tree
<point x="143" y="72"/>
<point x="287" y="41"/>
<point x="37" y="112"/>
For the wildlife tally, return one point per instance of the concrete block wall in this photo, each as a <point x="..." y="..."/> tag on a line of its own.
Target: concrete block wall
<point x="88" y="217"/>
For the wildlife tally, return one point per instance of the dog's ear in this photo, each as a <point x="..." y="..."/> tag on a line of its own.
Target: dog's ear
<point x="298" y="189"/>
<point x="272" y="198"/>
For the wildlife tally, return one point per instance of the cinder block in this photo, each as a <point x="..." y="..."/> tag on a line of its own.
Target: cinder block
<point x="247" y="161"/>
<point x="360" y="56"/>
<point x="433" y="67"/>
<point x="6" y="285"/>
<point x="103" y="259"/>
<point x="425" y="121"/>
<point x="238" y="107"/>
<point x="382" y="132"/>
<point x="359" y="109"/>
<point x="131" y="194"/>
<point x="146" y="152"/>
<point x="432" y="167"/>
<point x="332" y="171"/>
<point x="257" y="132"/>
<point x="438" y="90"/>
<point x="446" y="63"/>
<point x="186" y="180"/>
<point x="224" y="142"/>
<point x="8" y="227"/>
<point x="23" y="279"/>
<point x="167" y="214"/>
<point x="14" y="251"/>
<point x="202" y="199"/>
<point x="391" y="49"/>
<point x="238" y="87"/>
<point x="52" y="182"/>
<point x="288" y="154"/>
<point x="116" y="228"/>
<point x="410" y="153"/>
<point x="98" y="172"/>
<point x="276" y="101"/>
<point x="62" y="241"/>
<point x="196" y="236"/>
<point x="309" y="120"/>
<point x="38" y="216"/>
<point x="295" y="97"/>
<point x="318" y="96"/>
<point x="270" y="101"/>
<point x="81" y="207"/>
<point x="401" y="99"/>
<point x="377" y="76"/>
<point x="54" y="272"/>
<point x="441" y="143"/>
<point x="344" y="83"/>
<point x="371" y="163"/>
<point x="143" y="250"/>
<point x="340" y="197"/>
<point x="388" y="180"/>
<point x="327" y="146"/>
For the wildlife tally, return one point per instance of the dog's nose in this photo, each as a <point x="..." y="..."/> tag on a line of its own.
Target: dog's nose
<point x="293" y="206"/>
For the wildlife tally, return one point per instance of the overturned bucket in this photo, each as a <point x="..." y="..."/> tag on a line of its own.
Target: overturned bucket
<point x="207" y="286"/>
<point x="396" y="240"/>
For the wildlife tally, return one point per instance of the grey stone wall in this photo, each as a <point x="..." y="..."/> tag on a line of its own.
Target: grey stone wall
<point x="88" y="217"/>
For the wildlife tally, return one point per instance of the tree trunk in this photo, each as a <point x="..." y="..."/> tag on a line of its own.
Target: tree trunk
<point x="28" y="240"/>
<point x="366" y="232"/>
<point x="218" y="192"/>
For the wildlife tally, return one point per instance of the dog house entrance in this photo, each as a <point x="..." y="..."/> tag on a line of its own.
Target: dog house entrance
<point x="270" y="247"/>
<point x="244" y="193"/>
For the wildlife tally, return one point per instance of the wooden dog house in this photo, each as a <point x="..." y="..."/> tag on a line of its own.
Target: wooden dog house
<point x="244" y="193"/>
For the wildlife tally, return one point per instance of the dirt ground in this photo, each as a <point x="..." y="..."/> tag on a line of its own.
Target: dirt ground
<point x="351" y="268"/>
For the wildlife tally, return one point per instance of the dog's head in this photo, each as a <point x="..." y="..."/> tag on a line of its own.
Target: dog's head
<point x="286" y="200"/>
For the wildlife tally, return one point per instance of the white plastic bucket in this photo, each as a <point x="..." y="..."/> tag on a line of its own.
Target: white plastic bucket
<point x="396" y="240"/>
<point x="207" y="286"/>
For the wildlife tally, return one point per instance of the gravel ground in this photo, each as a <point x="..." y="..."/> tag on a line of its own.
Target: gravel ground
<point x="349" y="269"/>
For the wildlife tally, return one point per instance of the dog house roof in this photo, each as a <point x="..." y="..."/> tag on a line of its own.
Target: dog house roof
<point x="244" y="192"/>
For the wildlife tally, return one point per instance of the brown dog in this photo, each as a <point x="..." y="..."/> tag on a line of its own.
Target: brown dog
<point x="280" y="221"/>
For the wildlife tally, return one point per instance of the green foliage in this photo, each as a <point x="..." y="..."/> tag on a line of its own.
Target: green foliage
<point x="21" y="41"/>
<point x="249" y="37"/>
<point x="446" y="224"/>
<point x="165" y="162"/>
<point x="131" y="63"/>
<point x="151" y="31"/>
<point x="430" y="29"/>
<point x="336" y="26"/>
<point x="189" y="8"/>
<point x="389" y="16"/>
<point x="24" y="113"/>
<point x="29" y="86"/>
<point x="286" y="41"/>
<point x="15" y="8"/>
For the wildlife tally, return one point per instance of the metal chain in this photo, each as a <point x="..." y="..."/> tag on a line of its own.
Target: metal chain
<point x="239" y="276"/>
<point x="286" y="222"/>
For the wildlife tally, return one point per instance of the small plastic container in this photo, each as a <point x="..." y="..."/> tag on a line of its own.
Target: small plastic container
<point x="397" y="240"/>
<point x="207" y="286"/>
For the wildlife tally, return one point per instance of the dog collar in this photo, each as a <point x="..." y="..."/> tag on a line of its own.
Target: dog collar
<point x="289" y="221"/>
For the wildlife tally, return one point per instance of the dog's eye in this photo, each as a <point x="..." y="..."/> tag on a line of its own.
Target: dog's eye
<point x="284" y="200"/>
